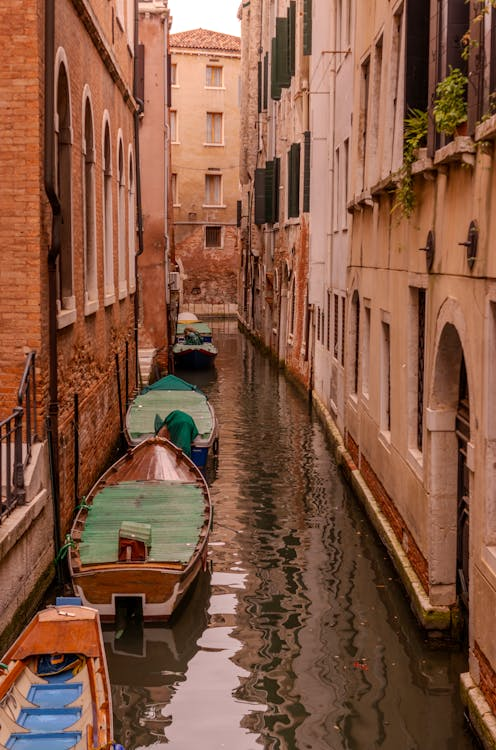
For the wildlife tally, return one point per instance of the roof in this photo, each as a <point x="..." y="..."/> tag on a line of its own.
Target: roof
<point x="205" y="39"/>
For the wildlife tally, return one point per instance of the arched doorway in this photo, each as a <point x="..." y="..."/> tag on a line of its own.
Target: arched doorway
<point x="448" y="425"/>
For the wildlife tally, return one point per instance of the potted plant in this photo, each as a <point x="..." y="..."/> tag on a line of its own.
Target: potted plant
<point x="414" y="137"/>
<point x="450" y="103"/>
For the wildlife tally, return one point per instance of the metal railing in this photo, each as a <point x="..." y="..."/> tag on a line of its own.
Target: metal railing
<point x="18" y="432"/>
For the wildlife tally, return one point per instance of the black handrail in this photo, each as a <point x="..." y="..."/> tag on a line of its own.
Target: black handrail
<point x="17" y="435"/>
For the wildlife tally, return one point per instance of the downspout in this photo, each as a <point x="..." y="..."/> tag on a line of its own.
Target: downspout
<point x="137" y="112"/>
<point x="54" y="247"/>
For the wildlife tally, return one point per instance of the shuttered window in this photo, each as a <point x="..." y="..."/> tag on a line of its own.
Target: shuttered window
<point x="281" y="58"/>
<point x="306" y="173"/>
<point x="213" y="76"/>
<point x="213" y="189"/>
<point x="259" y="196"/>
<point x="260" y="85"/>
<point x="265" y="81"/>
<point x="294" y="181"/>
<point x="292" y="36"/>
<point x="417" y="55"/>
<point x="275" y="86"/>
<point x="272" y="171"/>
<point x="307" y="27"/>
<point x="214" y="132"/>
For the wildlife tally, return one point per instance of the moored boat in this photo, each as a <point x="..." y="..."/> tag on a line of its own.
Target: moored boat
<point x="54" y="685"/>
<point x="165" y="396"/>
<point x="141" y="536"/>
<point x="193" y="347"/>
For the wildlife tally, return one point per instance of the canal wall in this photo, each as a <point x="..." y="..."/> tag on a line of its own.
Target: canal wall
<point x="26" y="552"/>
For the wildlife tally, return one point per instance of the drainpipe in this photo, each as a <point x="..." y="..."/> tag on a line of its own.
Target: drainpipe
<point x="54" y="247"/>
<point x="137" y="112"/>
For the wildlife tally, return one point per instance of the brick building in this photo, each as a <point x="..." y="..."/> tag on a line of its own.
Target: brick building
<point x="275" y="180"/>
<point x="68" y="280"/>
<point x="204" y="133"/>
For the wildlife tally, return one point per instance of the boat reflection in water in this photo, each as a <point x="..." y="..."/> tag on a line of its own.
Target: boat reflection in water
<point x="146" y="665"/>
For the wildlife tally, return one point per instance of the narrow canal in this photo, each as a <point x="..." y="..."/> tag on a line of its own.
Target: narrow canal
<point x="301" y="636"/>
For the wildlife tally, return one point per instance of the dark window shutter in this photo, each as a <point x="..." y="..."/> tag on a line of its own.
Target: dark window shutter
<point x="292" y="36"/>
<point x="169" y="81"/>
<point x="238" y="213"/>
<point x="307" y="27"/>
<point x="260" y="73"/>
<point x="283" y="74"/>
<point x="277" y="176"/>
<point x="457" y="26"/>
<point x="306" y="174"/>
<point x="294" y="181"/>
<point x="259" y="196"/>
<point x="269" y="192"/>
<point x="275" y="86"/>
<point x="434" y="70"/>
<point x="140" y="74"/>
<point x="266" y="80"/>
<point x="417" y="55"/>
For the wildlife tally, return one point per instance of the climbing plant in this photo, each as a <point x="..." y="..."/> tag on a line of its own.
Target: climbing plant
<point x="414" y="137"/>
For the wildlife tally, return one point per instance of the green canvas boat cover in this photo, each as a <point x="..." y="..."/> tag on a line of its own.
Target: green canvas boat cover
<point x="174" y="510"/>
<point x="156" y="399"/>
<point x="207" y="347"/>
<point x="182" y="429"/>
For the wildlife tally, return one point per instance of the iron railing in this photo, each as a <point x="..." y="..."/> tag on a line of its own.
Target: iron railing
<point x="18" y="432"/>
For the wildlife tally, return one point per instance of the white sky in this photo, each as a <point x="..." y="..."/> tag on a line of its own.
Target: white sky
<point x="214" y="15"/>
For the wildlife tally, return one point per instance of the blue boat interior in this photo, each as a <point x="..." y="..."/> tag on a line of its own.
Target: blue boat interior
<point x="52" y="709"/>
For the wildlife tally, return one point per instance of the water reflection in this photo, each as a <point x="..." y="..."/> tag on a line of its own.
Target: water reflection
<point x="302" y="638"/>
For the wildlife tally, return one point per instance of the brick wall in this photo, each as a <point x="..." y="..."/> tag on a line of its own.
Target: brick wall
<point x="210" y="274"/>
<point x="487" y="677"/>
<point x="401" y="531"/>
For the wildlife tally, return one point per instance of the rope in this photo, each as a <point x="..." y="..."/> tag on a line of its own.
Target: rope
<point x="62" y="553"/>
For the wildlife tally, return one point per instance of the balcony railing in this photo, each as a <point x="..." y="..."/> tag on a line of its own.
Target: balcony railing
<point x="18" y="432"/>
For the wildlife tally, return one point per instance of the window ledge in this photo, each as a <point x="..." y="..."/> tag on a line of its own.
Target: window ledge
<point x="461" y="149"/>
<point x="486" y="130"/>
<point x="214" y="145"/>
<point x="109" y="298"/>
<point x="416" y="461"/>
<point x="423" y="164"/>
<point x="66" y="317"/>
<point x="385" y="439"/>
<point x="90" y="307"/>
<point x="489" y="560"/>
<point x="122" y="290"/>
<point x="213" y="205"/>
<point x="132" y="287"/>
<point x="216" y="88"/>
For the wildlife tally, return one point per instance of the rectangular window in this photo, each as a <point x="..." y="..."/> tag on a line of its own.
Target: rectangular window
<point x="213" y="237"/>
<point x="363" y="123"/>
<point x="385" y="377"/>
<point x="336" y="327"/>
<point x="213" y="189"/>
<point x="294" y="181"/>
<point x="214" y="76"/>
<point x="341" y="343"/>
<point x="214" y="134"/>
<point x="173" y="126"/>
<point x="366" y="351"/>
<point x="174" y="190"/>
<point x="329" y="313"/>
<point x="355" y="340"/>
<point x="336" y="196"/>
<point x="173" y="74"/>
<point x="318" y="323"/>
<point x="420" y="366"/>
<point x="344" y="172"/>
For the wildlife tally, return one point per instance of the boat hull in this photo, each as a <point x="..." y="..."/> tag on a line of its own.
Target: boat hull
<point x="194" y="359"/>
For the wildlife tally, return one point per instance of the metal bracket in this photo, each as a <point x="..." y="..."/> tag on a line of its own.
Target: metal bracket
<point x="429" y="250"/>
<point x="471" y="243"/>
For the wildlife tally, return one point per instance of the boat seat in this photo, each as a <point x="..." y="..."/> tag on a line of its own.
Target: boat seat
<point x="44" y="741"/>
<point x="8" y="727"/>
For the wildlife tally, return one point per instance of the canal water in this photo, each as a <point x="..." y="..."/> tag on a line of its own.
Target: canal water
<point x="300" y="635"/>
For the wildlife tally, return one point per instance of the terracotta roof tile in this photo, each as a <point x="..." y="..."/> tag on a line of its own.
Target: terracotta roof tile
<point x="204" y="39"/>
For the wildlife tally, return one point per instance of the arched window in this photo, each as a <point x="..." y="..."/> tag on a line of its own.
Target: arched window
<point x="89" y="211"/>
<point x="121" y="223"/>
<point x="63" y="136"/>
<point x="131" y="218"/>
<point x="108" y="235"/>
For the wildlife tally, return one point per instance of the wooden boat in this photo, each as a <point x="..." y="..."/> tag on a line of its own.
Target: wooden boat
<point x="160" y="399"/>
<point x="193" y="347"/>
<point x="141" y="536"/>
<point x="54" y="685"/>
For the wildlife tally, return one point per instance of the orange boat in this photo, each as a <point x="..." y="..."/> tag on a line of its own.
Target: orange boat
<point x="140" y="540"/>
<point x="54" y="685"/>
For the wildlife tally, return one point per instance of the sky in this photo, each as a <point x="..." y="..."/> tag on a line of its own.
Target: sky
<point x="214" y="15"/>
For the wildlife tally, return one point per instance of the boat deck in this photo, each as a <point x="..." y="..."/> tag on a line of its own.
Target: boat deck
<point x="141" y="415"/>
<point x="175" y="511"/>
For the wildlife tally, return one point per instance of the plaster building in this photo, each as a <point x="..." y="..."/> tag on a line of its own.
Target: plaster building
<point x="158" y="302"/>
<point x="275" y="179"/>
<point x="204" y="133"/>
<point x="419" y="419"/>
<point x="68" y="281"/>
<point x="399" y="328"/>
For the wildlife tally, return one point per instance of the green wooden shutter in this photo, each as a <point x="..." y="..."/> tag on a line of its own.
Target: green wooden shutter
<point x="282" y="37"/>
<point x="307" y="27"/>
<point x="306" y="174"/>
<point x="266" y="80"/>
<point x="269" y="192"/>
<point x="294" y="181"/>
<point x="277" y="176"/>
<point x="260" y="86"/>
<point x="275" y="86"/>
<point x="259" y="196"/>
<point x="292" y="36"/>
